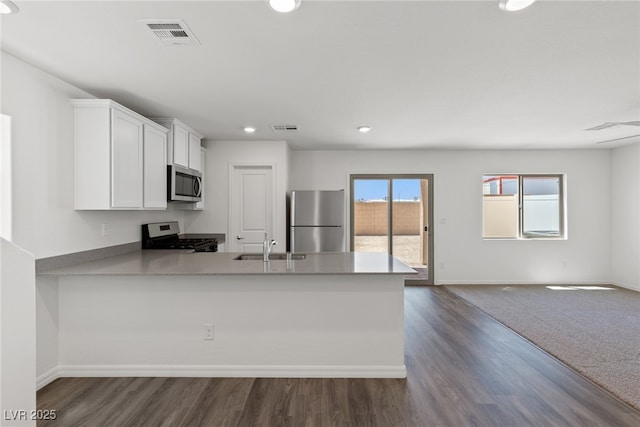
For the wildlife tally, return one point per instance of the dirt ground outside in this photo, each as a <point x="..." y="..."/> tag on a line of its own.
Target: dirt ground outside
<point x="405" y="248"/>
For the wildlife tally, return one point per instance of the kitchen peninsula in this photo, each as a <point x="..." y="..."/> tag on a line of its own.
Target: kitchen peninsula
<point x="174" y="313"/>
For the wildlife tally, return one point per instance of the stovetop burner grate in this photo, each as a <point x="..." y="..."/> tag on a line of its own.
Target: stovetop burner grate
<point x="168" y="240"/>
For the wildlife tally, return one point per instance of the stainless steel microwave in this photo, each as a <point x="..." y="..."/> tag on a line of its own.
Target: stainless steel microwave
<point x="183" y="184"/>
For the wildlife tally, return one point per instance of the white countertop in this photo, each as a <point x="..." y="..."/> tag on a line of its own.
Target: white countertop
<point x="181" y="262"/>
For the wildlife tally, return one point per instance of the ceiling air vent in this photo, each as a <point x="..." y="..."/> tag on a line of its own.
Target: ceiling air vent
<point x="284" y="128"/>
<point x="171" y="32"/>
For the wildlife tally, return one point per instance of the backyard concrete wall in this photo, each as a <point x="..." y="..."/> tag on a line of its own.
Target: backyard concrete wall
<point x="371" y="218"/>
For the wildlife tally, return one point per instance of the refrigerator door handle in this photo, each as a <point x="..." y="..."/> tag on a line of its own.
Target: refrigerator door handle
<point x="292" y="239"/>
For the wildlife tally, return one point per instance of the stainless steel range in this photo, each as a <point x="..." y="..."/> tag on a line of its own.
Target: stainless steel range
<point x="166" y="235"/>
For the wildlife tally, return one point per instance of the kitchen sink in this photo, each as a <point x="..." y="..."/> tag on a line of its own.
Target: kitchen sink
<point x="272" y="257"/>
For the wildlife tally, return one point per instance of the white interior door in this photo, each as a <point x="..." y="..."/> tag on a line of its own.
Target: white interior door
<point x="251" y="207"/>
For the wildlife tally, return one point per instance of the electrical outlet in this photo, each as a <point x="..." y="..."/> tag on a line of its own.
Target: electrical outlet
<point x="105" y="229"/>
<point x="209" y="331"/>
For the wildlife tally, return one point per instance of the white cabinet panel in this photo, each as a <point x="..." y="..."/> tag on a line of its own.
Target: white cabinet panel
<point x="194" y="152"/>
<point x="92" y="158"/>
<point x="180" y="145"/>
<point x="155" y="168"/>
<point x="126" y="164"/>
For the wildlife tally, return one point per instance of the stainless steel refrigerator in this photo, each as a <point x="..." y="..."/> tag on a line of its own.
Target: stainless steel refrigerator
<point x="317" y="221"/>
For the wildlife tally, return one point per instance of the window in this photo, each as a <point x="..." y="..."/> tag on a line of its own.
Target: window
<point x="522" y="206"/>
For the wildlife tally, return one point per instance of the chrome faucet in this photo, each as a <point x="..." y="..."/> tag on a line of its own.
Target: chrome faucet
<point x="266" y="248"/>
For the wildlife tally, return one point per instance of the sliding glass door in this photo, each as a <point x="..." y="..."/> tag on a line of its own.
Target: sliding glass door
<point x="392" y="214"/>
<point x="370" y="210"/>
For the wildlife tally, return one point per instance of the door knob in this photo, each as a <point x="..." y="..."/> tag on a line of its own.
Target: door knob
<point x="239" y="238"/>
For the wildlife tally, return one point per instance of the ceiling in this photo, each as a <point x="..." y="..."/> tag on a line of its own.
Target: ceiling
<point x="423" y="74"/>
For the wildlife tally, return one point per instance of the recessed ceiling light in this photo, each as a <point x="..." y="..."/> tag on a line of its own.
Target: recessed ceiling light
<point x="513" y="5"/>
<point x="7" y="6"/>
<point x="364" y="129"/>
<point x="284" y="6"/>
<point x="249" y="129"/>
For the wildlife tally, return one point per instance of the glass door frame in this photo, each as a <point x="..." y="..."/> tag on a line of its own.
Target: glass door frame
<point x="429" y="223"/>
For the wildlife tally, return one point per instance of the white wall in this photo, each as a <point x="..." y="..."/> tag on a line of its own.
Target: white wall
<point x="459" y="247"/>
<point x="219" y="155"/>
<point x="625" y="216"/>
<point x="5" y="177"/>
<point x="44" y="222"/>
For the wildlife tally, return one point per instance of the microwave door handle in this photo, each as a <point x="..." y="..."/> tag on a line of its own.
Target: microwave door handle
<point x="197" y="186"/>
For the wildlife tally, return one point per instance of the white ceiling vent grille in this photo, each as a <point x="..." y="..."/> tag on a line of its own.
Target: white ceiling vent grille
<point x="171" y="32"/>
<point x="284" y="128"/>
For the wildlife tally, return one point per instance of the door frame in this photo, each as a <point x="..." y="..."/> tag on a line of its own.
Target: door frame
<point x="231" y="221"/>
<point x="430" y="281"/>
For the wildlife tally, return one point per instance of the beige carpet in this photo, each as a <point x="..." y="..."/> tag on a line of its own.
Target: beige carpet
<point x="595" y="331"/>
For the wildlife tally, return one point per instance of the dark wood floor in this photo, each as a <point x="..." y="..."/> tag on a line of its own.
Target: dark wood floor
<point x="464" y="369"/>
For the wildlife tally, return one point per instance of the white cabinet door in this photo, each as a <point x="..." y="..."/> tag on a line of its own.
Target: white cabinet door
<point x="155" y="168"/>
<point x="126" y="160"/>
<point x="180" y="146"/>
<point x="194" y="152"/>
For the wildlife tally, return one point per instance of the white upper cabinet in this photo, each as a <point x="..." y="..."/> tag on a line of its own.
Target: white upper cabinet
<point x="120" y="158"/>
<point x="180" y="145"/>
<point x="126" y="160"/>
<point x="183" y="143"/>
<point x="194" y="152"/>
<point x="155" y="168"/>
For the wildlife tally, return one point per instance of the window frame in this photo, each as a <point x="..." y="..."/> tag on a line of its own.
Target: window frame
<point x="562" y="235"/>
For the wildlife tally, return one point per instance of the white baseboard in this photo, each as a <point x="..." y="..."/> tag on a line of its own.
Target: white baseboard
<point x="520" y="283"/>
<point x="246" y="371"/>
<point x="627" y="286"/>
<point x="48" y="377"/>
